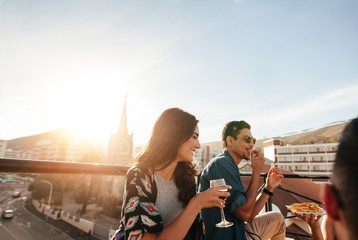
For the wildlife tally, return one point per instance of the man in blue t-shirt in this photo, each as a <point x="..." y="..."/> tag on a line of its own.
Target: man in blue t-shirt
<point x="242" y="207"/>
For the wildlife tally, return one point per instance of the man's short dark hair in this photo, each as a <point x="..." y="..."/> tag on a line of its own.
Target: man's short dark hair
<point x="345" y="175"/>
<point x="233" y="129"/>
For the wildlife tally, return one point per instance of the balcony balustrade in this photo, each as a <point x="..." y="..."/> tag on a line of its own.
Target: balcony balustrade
<point x="44" y="167"/>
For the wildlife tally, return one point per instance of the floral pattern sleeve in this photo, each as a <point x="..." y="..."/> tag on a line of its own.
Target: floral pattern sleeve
<point x="139" y="210"/>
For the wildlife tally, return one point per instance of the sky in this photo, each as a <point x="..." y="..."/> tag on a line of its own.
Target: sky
<point x="283" y="66"/>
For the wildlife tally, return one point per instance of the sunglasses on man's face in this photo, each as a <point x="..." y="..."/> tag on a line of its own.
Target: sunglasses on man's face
<point x="249" y="139"/>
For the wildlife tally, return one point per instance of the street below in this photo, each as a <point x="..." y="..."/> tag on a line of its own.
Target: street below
<point x="23" y="225"/>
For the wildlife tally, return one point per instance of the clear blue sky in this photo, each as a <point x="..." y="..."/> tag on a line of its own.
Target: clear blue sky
<point x="283" y="66"/>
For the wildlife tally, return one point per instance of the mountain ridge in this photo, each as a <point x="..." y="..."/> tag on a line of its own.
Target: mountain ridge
<point x="327" y="134"/>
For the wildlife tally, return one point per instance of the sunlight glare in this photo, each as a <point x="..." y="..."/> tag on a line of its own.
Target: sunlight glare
<point x="91" y="111"/>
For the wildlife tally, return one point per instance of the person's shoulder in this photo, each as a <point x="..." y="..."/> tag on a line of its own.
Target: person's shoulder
<point x="141" y="176"/>
<point x="218" y="157"/>
<point x="214" y="162"/>
<point x="139" y="171"/>
<point x="134" y="169"/>
<point x="221" y="159"/>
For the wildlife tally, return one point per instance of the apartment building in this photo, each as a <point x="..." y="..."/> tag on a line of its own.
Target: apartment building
<point x="49" y="150"/>
<point x="59" y="150"/>
<point x="203" y="155"/>
<point x="18" y="154"/>
<point x="57" y="145"/>
<point x="302" y="159"/>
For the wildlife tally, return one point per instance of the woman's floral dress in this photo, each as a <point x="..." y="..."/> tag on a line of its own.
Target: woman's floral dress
<point x="139" y="212"/>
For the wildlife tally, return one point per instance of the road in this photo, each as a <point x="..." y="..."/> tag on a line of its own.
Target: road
<point x="23" y="225"/>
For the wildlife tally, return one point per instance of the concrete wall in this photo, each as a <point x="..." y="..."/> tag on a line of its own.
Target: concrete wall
<point x="80" y="223"/>
<point x="111" y="233"/>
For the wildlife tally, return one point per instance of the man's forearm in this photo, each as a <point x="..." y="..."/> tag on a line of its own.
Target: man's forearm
<point x="251" y="192"/>
<point x="259" y="204"/>
<point x="245" y="211"/>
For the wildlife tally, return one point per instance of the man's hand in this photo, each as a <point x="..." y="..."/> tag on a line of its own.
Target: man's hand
<point x="274" y="179"/>
<point x="257" y="161"/>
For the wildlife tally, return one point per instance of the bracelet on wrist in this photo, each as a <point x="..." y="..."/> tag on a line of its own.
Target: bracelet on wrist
<point x="267" y="192"/>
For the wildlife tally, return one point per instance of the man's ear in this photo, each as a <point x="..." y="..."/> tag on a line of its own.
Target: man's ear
<point x="330" y="202"/>
<point x="229" y="140"/>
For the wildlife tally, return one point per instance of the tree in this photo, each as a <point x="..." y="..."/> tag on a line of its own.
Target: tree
<point x="60" y="183"/>
<point x="110" y="204"/>
<point x="89" y="185"/>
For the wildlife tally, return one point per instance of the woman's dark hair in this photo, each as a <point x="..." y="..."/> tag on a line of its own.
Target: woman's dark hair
<point x="173" y="127"/>
<point x="233" y="129"/>
<point x="345" y="175"/>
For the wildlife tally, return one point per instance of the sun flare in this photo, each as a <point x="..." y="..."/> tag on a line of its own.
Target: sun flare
<point x="92" y="113"/>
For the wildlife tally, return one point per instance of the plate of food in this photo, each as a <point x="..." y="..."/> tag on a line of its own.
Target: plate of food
<point x="306" y="208"/>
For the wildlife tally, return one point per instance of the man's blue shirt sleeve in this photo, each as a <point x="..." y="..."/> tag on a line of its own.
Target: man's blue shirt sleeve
<point x="223" y="166"/>
<point x="226" y="168"/>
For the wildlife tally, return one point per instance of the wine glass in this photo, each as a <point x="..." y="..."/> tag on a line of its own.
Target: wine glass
<point x="223" y="223"/>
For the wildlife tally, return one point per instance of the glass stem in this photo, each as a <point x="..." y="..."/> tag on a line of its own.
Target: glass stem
<point x="222" y="215"/>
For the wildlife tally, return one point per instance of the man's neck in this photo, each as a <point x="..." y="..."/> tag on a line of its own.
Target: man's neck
<point x="236" y="158"/>
<point x="341" y="229"/>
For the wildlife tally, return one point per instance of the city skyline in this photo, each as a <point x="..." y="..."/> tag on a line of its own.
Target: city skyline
<point x="282" y="66"/>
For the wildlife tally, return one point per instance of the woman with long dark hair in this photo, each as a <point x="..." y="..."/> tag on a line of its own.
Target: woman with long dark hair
<point x="160" y="200"/>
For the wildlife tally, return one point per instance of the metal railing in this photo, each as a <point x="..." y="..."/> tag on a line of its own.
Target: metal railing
<point x="43" y="166"/>
<point x="268" y="205"/>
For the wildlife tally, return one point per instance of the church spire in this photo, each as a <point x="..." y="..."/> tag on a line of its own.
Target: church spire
<point x="122" y="128"/>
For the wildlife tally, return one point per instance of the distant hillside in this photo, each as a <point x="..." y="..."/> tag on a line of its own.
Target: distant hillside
<point x="322" y="135"/>
<point x="327" y="134"/>
<point x="28" y="142"/>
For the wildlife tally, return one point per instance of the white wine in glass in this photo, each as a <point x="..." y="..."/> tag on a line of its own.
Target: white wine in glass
<point x="223" y="223"/>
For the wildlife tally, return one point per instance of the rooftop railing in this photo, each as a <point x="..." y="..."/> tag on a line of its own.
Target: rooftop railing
<point x="43" y="166"/>
<point x="268" y="205"/>
<point x="8" y="165"/>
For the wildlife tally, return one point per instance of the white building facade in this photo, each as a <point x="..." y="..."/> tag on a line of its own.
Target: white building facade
<point x="314" y="159"/>
<point x="57" y="150"/>
<point x="61" y="146"/>
<point x="203" y="155"/>
<point x="19" y="154"/>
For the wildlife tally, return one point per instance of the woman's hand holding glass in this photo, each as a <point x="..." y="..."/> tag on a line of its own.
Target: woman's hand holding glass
<point x="213" y="197"/>
<point x="223" y="223"/>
